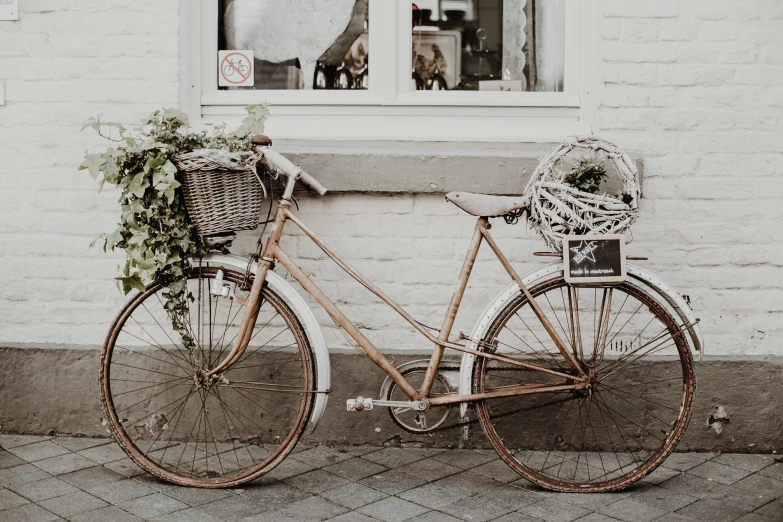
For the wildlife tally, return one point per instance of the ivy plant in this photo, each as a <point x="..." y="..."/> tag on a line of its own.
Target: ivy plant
<point x="153" y="228"/>
<point x="587" y="176"/>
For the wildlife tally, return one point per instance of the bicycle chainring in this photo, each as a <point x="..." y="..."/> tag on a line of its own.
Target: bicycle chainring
<point x="419" y="422"/>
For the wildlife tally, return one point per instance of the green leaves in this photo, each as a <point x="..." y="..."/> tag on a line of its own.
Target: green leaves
<point x="98" y="125"/>
<point x="94" y="163"/>
<point x="153" y="227"/>
<point x="165" y="182"/>
<point x="253" y="123"/>
<point x="131" y="282"/>
<point x="174" y="114"/>
<point x="106" y="127"/>
<point x="587" y="176"/>
<point x="138" y="185"/>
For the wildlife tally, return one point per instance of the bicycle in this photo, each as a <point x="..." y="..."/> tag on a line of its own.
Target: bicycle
<point x="563" y="416"/>
<point x="235" y="65"/>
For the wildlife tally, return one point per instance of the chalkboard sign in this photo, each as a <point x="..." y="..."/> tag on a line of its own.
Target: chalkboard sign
<point x="594" y="259"/>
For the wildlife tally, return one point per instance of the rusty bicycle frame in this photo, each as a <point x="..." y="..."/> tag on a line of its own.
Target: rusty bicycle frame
<point x="273" y="253"/>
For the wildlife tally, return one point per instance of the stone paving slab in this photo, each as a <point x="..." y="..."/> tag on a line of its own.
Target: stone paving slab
<point x="91" y="480"/>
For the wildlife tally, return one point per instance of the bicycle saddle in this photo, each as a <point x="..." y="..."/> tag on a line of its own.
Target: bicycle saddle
<point x="260" y="139"/>
<point x="484" y="204"/>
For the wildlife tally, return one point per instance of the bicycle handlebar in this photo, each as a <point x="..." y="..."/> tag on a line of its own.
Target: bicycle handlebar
<point x="277" y="162"/>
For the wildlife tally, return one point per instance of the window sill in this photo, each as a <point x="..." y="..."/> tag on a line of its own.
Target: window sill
<point x="353" y="123"/>
<point x="419" y="167"/>
<point x="411" y="99"/>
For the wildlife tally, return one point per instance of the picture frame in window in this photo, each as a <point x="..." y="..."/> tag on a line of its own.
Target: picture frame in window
<point x="430" y="48"/>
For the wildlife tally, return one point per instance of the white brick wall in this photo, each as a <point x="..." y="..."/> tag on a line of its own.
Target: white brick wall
<point x="694" y="85"/>
<point x="697" y="86"/>
<point x="62" y="62"/>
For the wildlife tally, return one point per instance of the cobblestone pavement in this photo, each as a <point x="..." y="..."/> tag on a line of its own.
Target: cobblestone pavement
<point x="91" y="480"/>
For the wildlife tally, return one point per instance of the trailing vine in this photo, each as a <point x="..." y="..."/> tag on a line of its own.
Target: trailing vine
<point x="153" y="229"/>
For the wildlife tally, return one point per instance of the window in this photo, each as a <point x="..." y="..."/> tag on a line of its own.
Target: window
<point x="424" y="70"/>
<point x="316" y="44"/>
<point x="488" y="45"/>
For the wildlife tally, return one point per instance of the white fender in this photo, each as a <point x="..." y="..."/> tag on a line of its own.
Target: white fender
<point x="675" y="300"/>
<point x="305" y="316"/>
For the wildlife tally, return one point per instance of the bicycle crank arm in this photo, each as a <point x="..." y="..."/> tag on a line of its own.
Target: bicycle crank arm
<point x="361" y="404"/>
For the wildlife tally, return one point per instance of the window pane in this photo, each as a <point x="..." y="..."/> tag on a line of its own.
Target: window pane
<point x="298" y="44"/>
<point x="488" y="45"/>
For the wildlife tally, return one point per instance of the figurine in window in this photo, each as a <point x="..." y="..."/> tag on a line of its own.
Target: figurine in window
<point x="417" y="83"/>
<point x="320" y="81"/>
<point x="428" y="69"/>
<point x="438" y="82"/>
<point x="363" y="78"/>
<point x="356" y="61"/>
<point x="438" y="60"/>
<point x="343" y="79"/>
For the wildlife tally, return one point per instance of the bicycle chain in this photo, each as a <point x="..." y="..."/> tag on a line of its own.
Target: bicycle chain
<point x="440" y="369"/>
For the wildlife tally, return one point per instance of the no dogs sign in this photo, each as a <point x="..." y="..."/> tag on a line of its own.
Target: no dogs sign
<point x="235" y="68"/>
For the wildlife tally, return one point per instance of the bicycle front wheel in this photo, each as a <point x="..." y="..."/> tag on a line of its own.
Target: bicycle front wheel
<point x="621" y="427"/>
<point x="200" y="432"/>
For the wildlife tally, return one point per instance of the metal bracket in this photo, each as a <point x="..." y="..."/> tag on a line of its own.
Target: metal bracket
<point x="220" y="289"/>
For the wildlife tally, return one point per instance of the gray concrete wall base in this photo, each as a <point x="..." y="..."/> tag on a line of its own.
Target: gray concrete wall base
<point x="416" y="167"/>
<point x="55" y="391"/>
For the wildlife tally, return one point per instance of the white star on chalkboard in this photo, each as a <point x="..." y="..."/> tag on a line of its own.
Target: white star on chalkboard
<point x="582" y="246"/>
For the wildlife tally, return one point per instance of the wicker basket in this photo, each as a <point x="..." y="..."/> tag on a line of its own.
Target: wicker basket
<point x="556" y="209"/>
<point x="222" y="191"/>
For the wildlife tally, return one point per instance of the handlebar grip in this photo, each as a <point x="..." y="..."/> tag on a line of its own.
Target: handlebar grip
<point x="311" y="182"/>
<point x="278" y="162"/>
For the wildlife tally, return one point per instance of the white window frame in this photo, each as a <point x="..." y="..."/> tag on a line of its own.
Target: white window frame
<point x="389" y="110"/>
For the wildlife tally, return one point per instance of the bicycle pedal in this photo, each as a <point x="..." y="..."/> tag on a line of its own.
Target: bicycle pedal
<point x="359" y="404"/>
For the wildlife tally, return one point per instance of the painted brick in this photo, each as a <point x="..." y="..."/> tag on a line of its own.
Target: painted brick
<point x="640" y="8"/>
<point x="722" y="9"/>
<point x="719" y="31"/>
<point x="678" y="30"/>
<point x="737" y="53"/>
<point x="772" y="10"/>
<point x="38" y="6"/>
<point x="640" y="30"/>
<point x="610" y="29"/>
<point x="663" y="52"/>
<point x="696" y="53"/>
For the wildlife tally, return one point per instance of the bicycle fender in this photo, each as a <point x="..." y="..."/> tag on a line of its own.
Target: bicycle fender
<point x="490" y="313"/>
<point x="305" y="316"/>
<point x="676" y="301"/>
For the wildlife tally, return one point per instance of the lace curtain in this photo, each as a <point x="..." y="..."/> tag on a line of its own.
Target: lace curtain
<point x="534" y="43"/>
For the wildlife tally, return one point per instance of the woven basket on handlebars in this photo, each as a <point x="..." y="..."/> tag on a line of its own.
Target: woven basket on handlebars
<point x="223" y="192"/>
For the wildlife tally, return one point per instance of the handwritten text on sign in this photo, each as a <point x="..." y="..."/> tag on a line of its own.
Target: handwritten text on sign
<point x="594" y="259"/>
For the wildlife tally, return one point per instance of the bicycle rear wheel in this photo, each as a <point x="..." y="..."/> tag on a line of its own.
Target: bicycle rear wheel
<point x="620" y="429"/>
<point x="193" y="431"/>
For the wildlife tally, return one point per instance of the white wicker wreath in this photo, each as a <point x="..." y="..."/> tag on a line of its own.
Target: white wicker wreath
<point x="557" y="209"/>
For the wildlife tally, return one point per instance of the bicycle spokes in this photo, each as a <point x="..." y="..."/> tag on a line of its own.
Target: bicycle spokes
<point x="599" y="338"/>
<point x="190" y="427"/>
<point x="628" y="417"/>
